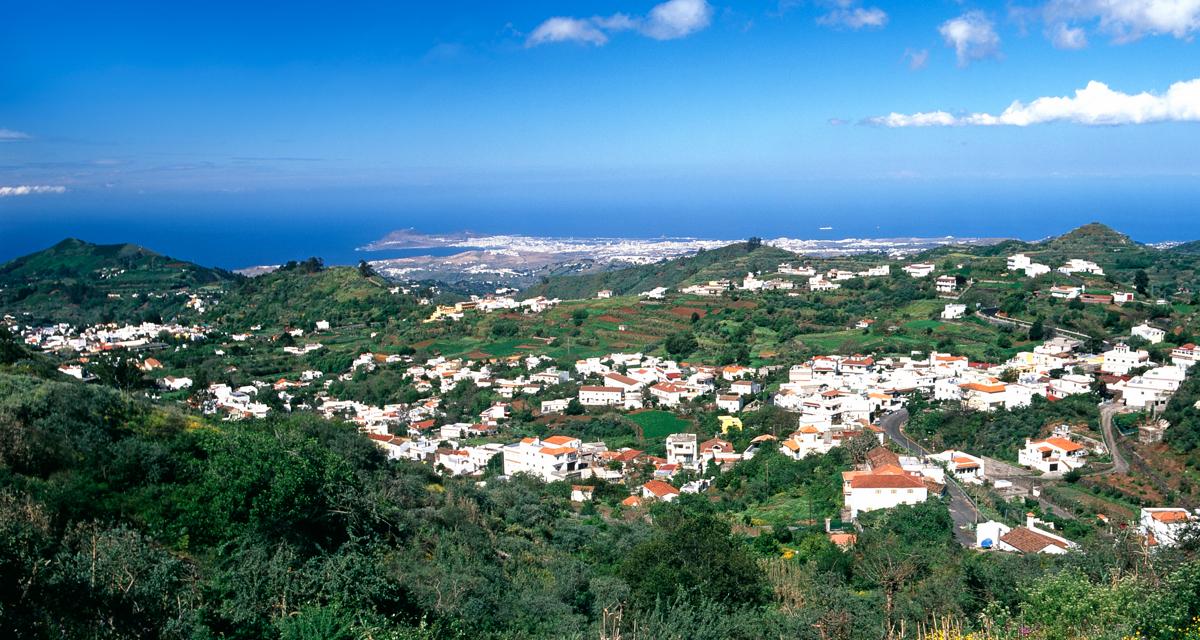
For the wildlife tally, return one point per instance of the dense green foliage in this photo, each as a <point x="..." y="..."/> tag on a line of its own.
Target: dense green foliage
<point x="1002" y="433"/>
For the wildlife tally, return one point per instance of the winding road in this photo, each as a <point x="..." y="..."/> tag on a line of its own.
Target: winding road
<point x="1107" y="411"/>
<point x="962" y="509"/>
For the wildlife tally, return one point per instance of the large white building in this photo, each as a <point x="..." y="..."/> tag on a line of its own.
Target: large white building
<point x="554" y="458"/>
<point x="1121" y="360"/>
<point x="592" y="396"/>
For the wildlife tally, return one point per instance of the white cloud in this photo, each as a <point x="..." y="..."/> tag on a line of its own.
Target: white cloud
<point x="1095" y="104"/>
<point x="7" y="135"/>
<point x="1128" y="20"/>
<point x="855" y="18"/>
<point x="559" y="29"/>
<point x="666" y="21"/>
<point x="1067" y="37"/>
<point x="972" y="35"/>
<point x="917" y="58"/>
<point x="29" y="190"/>
<point x="677" y="18"/>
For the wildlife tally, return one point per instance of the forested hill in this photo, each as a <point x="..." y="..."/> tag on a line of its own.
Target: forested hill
<point x="300" y="294"/>
<point x="730" y="261"/>
<point x="77" y="281"/>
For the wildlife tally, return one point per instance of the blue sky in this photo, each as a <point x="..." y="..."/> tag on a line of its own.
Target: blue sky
<point x="425" y="111"/>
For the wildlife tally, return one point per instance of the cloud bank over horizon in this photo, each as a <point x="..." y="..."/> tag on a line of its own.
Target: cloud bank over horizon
<point x="1095" y="104"/>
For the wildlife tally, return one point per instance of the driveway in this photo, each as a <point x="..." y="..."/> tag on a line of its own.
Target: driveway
<point x="962" y="508"/>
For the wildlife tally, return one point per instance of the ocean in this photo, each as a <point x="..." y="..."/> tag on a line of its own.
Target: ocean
<point x="233" y="231"/>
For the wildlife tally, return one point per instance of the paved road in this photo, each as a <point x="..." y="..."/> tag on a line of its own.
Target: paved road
<point x="1107" y="411"/>
<point x="962" y="509"/>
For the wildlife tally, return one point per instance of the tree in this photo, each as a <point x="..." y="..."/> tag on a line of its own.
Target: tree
<point x="578" y="316"/>
<point x="365" y="269"/>
<point x="505" y="328"/>
<point x="1037" y="330"/>
<point x="1141" y="282"/>
<point x="753" y="243"/>
<point x="681" y="344"/>
<point x="574" y="407"/>
<point x="692" y="555"/>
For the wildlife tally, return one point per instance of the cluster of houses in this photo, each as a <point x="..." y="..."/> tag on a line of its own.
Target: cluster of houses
<point x="502" y="300"/>
<point x="1022" y="262"/>
<point x="107" y="337"/>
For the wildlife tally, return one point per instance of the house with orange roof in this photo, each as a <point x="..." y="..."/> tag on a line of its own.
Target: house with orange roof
<point x="985" y="395"/>
<point x="659" y="490"/>
<point x="963" y="466"/>
<point x="1030" y="538"/>
<point x="881" y="487"/>
<point x="1167" y="526"/>
<point x="1054" y="456"/>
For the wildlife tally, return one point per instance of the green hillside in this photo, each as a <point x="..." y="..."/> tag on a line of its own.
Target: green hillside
<point x="81" y="282"/>
<point x="302" y="295"/>
<point x="731" y="261"/>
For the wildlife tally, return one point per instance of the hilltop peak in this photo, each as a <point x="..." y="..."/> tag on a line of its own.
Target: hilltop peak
<point x="1093" y="237"/>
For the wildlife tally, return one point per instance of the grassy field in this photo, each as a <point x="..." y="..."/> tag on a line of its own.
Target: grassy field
<point x="657" y="425"/>
<point x="784" y="509"/>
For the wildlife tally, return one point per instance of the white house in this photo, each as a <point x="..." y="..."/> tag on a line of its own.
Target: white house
<point x="554" y="458"/>
<point x="946" y="284"/>
<point x="1186" y="355"/>
<point x="819" y="283"/>
<point x="1075" y="265"/>
<point x="1153" y="335"/>
<point x="1071" y="384"/>
<point x="604" y="293"/>
<point x="683" y="449"/>
<point x="919" y="270"/>
<point x="555" y="406"/>
<point x="1165" y="526"/>
<point x="1152" y="389"/>
<point x="668" y="394"/>
<point x="623" y="382"/>
<point x="954" y="311"/>
<point x="963" y="466"/>
<point x="729" y="402"/>
<point x="1030" y="539"/>
<point x="175" y="384"/>
<point x="1120" y="360"/>
<point x="1065" y="292"/>
<point x="881" y="488"/>
<point x="1052" y="456"/>
<point x="1018" y="262"/>
<point x="659" y="490"/>
<point x="593" y="396"/>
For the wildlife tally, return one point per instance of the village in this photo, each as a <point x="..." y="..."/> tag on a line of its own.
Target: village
<point x="834" y="400"/>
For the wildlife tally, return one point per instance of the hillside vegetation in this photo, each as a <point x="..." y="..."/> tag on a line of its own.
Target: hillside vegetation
<point x="81" y="282"/>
